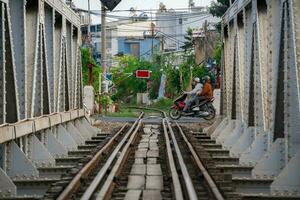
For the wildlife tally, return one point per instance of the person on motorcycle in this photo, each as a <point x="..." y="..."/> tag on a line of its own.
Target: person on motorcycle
<point x="207" y="92"/>
<point x="194" y="93"/>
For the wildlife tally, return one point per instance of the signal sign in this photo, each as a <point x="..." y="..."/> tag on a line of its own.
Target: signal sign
<point x="143" y="74"/>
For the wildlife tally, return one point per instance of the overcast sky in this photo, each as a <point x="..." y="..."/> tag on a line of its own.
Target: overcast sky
<point x="140" y="4"/>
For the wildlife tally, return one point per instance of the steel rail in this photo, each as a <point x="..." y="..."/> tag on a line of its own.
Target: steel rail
<point x="164" y="115"/>
<point x="175" y="179"/>
<point x="214" y="189"/>
<point x="86" y="170"/>
<point x="103" y="194"/>
<point x="186" y="176"/>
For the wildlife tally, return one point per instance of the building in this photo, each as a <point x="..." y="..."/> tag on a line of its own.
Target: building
<point x="124" y="37"/>
<point x="206" y="39"/>
<point x="137" y="39"/>
<point x="172" y="25"/>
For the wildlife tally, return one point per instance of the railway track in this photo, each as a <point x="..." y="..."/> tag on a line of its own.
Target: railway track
<point x="147" y="161"/>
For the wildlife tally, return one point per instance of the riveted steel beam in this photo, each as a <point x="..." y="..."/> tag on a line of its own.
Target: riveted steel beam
<point x="234" y="9"/>
<point x="263" y="89"/>
<point x="39" y="59"/>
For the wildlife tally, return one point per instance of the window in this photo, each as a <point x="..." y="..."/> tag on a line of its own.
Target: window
<point x="180" y="21"/>
<point x="93" y="29"/>
<point x="98" y="27"/>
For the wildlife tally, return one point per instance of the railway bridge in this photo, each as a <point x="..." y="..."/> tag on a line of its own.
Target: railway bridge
<point x="50" y="150"/>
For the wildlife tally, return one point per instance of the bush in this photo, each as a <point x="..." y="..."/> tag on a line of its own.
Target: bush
<point x="162" y="104"/>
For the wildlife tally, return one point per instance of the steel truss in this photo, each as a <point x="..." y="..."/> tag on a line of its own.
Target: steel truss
<point x="261" y="92"/>
<point x="40" y="71"/>
<point x="41" y="116"/>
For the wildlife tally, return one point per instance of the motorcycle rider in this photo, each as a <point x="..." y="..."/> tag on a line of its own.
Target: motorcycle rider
<point x="194" y="93"/>
<point x="207" y="92"/>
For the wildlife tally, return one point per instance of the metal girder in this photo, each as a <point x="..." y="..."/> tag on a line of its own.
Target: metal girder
<point x="65" y="138"/>
<point x="8" y="188"/>
<point x="18" y="164"/>
<point x="38" y="54"/>
<point x="287" y="182"/>
<point x="271" y="163"/>
<point x="55" y="148"/>
<point x="38" y="153"/>
<point x="2" y="62"/>
<point x="75" y="133"/>
<point x="11" y="106"/>
<point x="27" y="145"/>
<point x="235" y="8"/>
<point x="64" y="10"/>
<point x="17" y="14"/>
<point x="263" y="89"/>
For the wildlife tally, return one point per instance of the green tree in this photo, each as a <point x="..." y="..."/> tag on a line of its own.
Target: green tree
<point x="189" y="42"/>
<point x="126" y="84"/>
<point x="218" y="53"/>
<point x="219" y="7"/>
<point x="86" y="59"/>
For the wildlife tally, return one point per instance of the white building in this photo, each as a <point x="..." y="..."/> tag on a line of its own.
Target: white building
<point x="173" y="25"/>
<point x="128" y="29"/>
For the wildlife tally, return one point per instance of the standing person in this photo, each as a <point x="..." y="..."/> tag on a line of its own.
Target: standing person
<point x="194" y="93"/>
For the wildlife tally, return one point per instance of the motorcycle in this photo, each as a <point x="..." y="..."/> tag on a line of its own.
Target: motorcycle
<point x="202" y="109"/>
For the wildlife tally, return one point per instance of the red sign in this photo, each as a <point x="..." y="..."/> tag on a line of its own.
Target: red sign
<point x="143" y="74"/>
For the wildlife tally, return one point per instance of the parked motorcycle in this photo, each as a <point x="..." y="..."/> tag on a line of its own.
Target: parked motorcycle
<point x="201" y="109"/>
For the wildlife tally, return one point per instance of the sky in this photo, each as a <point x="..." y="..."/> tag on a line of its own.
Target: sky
<point x="140" y="5"/>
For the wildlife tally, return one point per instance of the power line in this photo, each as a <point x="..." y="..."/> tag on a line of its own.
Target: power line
<point x="183" y="24"/>
<point x="158" y="19"/>
<point x="167" y="16"/>
<point x="161" y="27"/>
<point x="141" y="10"/>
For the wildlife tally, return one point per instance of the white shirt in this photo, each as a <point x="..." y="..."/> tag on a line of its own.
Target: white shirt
<point x="196" y="90"/>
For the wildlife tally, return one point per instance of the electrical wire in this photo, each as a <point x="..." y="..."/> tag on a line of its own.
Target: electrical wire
<point x="141" y="10"/>
<point x="162" y="27"/>
<point x="183" y="24"/>
<point x="167" y="17"/>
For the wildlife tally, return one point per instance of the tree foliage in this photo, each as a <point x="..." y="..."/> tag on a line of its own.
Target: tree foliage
<point x="86" y="59"/>
<point x="189" y="42"/>
<point x="219" y="7"/>
<point x="126" y="84"/>
<point x="218" y="53"/>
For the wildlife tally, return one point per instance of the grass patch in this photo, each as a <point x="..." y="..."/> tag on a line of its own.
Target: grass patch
<point x="162" y="104"/>
<point x="125" y="112"/>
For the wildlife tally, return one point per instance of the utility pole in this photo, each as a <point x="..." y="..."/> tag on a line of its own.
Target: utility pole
<point x="152" y="33"/>
<point x="162" y="44"/>
<point x="205" y="41"/>
<point x="103" y="48"/>
<point x="90" y="66"/>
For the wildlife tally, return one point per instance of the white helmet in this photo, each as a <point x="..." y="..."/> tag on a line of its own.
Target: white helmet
<point x="206" y="78"/>
<point x="196" y="79"/>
